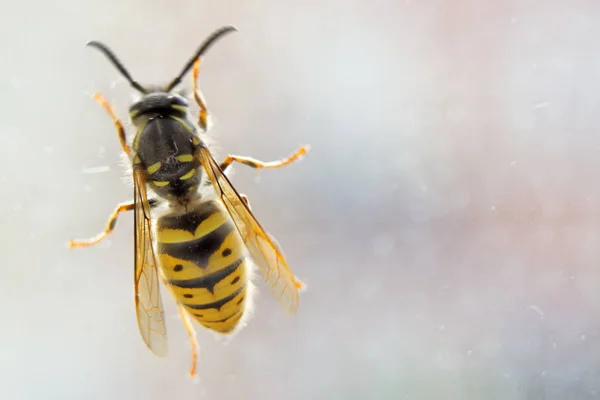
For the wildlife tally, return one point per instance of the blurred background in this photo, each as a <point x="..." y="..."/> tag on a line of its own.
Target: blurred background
<point x="445" y="220"/>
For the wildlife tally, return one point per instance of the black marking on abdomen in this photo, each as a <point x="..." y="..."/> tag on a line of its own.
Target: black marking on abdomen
<point x="223" y="319"/>
<point x="217" y="304"/>
<point x="198" y="250"/>
<point x="209" y="281"/>
<point x="189" y="221"/>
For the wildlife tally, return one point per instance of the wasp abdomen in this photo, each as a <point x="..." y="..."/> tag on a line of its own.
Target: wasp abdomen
<point x="204" y="261"/>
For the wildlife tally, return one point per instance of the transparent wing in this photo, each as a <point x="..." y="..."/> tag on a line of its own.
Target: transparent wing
<point x="149" y="308"/>
<point x="265" y="253"/>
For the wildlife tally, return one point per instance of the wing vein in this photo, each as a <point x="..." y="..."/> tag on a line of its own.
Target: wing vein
<point x="263" y="249"/>
<point x="149" y="308"/>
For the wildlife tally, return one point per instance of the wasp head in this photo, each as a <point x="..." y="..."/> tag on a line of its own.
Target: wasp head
<point x="158" y="103"/>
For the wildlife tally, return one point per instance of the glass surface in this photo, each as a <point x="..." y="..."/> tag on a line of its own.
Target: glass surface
<point x="445" y="219"/>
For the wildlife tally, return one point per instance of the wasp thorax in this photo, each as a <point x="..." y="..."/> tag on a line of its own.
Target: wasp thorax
<point x="158" y="104"/>
<point x="165" y="148"/>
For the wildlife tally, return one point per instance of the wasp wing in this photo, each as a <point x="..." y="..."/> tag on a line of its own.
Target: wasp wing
<point x="264" y="252"/>
<point x="149" y="308"/>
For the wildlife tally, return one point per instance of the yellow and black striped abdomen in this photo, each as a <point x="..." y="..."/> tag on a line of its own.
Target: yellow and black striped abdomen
<point x="203" y="259"/>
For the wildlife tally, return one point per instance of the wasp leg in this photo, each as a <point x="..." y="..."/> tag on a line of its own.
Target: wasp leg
<point x="192" y="334"/>
<point x="110" y="225"/>
<point x="301" y="286"/>
<point x="203" y="117"/>
<point x="120" y="130"/>
<point x="245" y="198"/>
<point x="253" y="163"/>
<point x="190" y="330"/>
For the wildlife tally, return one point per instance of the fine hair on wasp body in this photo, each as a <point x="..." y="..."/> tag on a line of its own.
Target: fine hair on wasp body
<point x="193" y="231"/>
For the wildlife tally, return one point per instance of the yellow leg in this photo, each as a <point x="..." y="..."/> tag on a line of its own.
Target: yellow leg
<point x="192" y="334"/>
<point x="253" y="163"/>
<point x="190" y="330"/>
<point x="301" y="286"/>
<point x="245" y="198"/>
<point x="120" y="130"/>
<point x="203" y="117"/>
<point x="110" y="225"/>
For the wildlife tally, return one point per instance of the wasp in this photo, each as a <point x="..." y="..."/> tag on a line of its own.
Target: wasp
<point x="192" y="229"/>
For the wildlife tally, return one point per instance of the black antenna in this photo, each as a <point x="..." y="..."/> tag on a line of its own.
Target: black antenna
<point x="115" y="61"/>
<point x="205" y="46"/>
